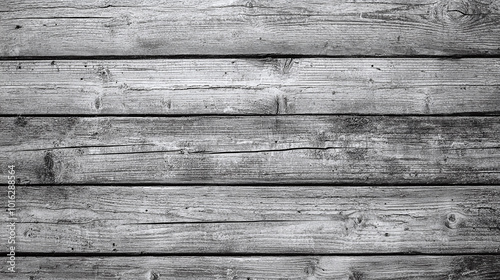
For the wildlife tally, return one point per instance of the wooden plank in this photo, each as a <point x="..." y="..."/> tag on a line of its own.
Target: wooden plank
<point x="230" y="27"/>
<point x="257" y="220"/>
<point x="250" y="86"/>
<point x="284" y="149"/>
<point x="307" y="267"/>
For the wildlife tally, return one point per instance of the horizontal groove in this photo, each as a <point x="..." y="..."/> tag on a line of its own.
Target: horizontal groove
<point x="256" y="184"/>
<point x="214" y="222"/>
<point x="144" y="254"/>
<point x="467" y="114"/>
<point x="239" y="56"/>
<point x="218" y="222"/>
<point x="206" y="152"/>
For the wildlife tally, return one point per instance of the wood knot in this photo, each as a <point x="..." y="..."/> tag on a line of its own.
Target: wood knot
<point x="356" y="275"/>
<point x="153" y="275"/>
<point x="286" y="65"/>
<point x="20" y="121"/>
<point x="453" y="220"/>
<point x="231" y="274"/>
<point x="282" y="66"/>
<point x="310" y="269"/>
<point x="98" y="103"/>
<point x="460" y="11"/>
<point x="357" y="221"/>
<point x="104" y="74"/>
<point x="46" y="173"/>
<point x="31" y="232"/>
<point x="281" y="102"/>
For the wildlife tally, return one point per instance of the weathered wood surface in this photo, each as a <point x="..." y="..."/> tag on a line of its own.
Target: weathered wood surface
<point x="250" y="86"/>
<point x="308" y="194"/>
<point x="259" y="220"/>
<point x="307" y="267"/>
<point x="314" y="149"/>
<point x="229" y="27"/>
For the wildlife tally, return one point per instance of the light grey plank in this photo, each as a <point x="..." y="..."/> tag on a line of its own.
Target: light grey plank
<point x="307" y="267"/>
<point x="250" y="86"/>
<point x="257" y="220"/>
<point x="229" y="27"/>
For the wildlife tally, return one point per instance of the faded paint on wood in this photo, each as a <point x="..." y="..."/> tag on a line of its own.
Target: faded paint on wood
<point x="320" y="149"/>
<point x="250" y="86"/>
<point x="259" y="220"/>
<point x="249" y="27"/>
<point x="306" y="267"/>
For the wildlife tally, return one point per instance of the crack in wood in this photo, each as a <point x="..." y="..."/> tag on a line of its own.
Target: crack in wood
<point x="219" y="222"/>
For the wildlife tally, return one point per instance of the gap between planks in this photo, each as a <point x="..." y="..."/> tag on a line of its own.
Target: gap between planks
<point x="243" y="56"/>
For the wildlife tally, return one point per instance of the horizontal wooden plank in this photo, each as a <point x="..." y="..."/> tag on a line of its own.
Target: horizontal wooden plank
<point x="285" y="149"/>
<point x="262" y="220"/>
<point x="309" y="267"/>
<point x="250" y="86"/>
<point x="180" y="27"/>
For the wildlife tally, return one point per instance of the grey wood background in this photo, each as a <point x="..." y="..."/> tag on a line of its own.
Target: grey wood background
<point x="252" y="139"/>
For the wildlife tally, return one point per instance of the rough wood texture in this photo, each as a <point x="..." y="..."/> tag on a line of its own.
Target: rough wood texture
<point x="251" y="86"/>
<point x="307" y="267"/>
<point x="158" y="127"/>
<point x="323" y="27"/>
<point x="262" y="220"/>
<point x="320" y="149"/>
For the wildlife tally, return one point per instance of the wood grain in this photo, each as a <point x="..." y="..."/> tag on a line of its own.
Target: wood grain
<point x="153" y="140"/>
<point x="258" y="220"/>
<point x="241" y="27"/>
<point x="281" y="149"/>
<point x="250" y="86"/>
<point x="308" y="267"/>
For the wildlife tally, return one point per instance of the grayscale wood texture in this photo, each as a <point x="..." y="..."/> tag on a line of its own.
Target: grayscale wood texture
<point x="259" y="219"/>
<point x="252" y="139"/>
<point x="313" y="149"/>
<point x="250" y="86"/>
<point x="250" y="27"/>
<point x="273" y="268"/>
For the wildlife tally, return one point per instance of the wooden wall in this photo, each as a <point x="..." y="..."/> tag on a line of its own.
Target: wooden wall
<point x="254" y="139"/>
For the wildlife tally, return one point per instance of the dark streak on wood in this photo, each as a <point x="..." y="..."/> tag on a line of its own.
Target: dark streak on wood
<point x="47" y="174"/>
